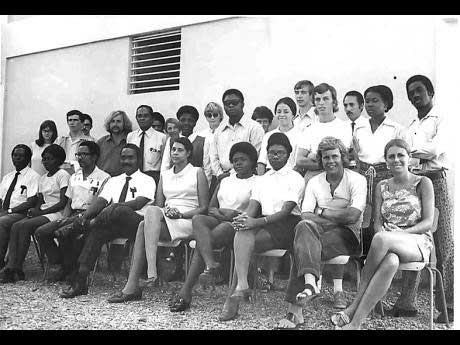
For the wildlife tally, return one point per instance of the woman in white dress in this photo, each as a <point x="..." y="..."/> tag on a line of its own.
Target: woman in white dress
<point x="181" y="194"/>
<point x="47" y="134"/>
<point x="215" y="230"/>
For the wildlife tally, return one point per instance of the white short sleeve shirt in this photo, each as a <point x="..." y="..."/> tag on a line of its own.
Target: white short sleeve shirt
<point x="26" y="186"/>
<point x="274" y="188"/>
<point x="234" y="193"/>
<point x="139" y="185"/>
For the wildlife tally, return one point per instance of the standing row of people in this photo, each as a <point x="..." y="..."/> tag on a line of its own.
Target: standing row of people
<point x="304" y="127"/>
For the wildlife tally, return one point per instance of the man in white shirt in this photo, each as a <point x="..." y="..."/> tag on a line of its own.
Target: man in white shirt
<point x="116" y="212"/>
<point x="332" y="215"/>
<point x="84" y="186"/>
<point x="305" y="116"/>
<point x="429" y="141"/>
<point x="18" y="191"/>
<point x="151" y="142"/>
<point x="326" y="104"/>
<point x="71" y="141"/>
<point x="233" y="130"/>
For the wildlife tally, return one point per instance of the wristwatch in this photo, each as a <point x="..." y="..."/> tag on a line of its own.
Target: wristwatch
<point x="9" y="211"/>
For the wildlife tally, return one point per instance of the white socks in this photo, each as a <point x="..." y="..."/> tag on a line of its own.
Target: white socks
<point x="337" y="285"/>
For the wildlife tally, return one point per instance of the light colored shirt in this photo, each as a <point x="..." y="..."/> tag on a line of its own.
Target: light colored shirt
<point x="234" y="193"/>
<point x="358" y="122"/>
<point x="71" y="147"/>
<point x="26" y="186"/>
<point x="50" y="187"/>
<point x="429" y="142"/>
<point x="294" y="135"/>
<point x="139" y="185"/>
<point x="313" y="135"/>
<point x="301" y="122"/>
<point x="276" y="187"/>
<point x="154" y="144"/>
<point x="36" y="160"/>
<point x="370" y="146"/>
<point x="83" y="191"/>
<point x="226" y="135"/>
<point x="351" y="192"/>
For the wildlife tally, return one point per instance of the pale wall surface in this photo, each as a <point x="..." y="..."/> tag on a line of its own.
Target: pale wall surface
<point x="263" y="57"/>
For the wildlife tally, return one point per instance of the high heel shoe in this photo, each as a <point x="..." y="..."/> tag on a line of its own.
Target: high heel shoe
<point x="242" y="295"/>
<point x="230" y="309"/>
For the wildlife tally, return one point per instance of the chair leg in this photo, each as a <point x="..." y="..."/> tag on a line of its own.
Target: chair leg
<point x="231" y="269"/>
<point x="431" y="299"/>
<point x="255" y="278"/>
<point x="94" y="272"/>
<point x="440" y="284"/>
<point x="186" y="258"/>
<point x="358" y="274"/>
<point x="39" y="254"/>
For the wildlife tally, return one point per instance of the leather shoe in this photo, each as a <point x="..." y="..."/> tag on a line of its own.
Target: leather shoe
<point x="77" y="289"/>
<point x="121" y="297"/>
<point x="230" y="309"/>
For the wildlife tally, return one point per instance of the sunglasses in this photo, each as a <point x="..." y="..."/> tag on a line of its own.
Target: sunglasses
<point x="213" y="115"/>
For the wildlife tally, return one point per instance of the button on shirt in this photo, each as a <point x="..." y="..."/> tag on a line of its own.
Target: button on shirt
<point x="301" y="122"/>
<point x="154" y="144"/>
<point x="294" y="136"/>
<point x="226" y="135"/>
<point x="370" y="146"/>
<point x="313" y="135"/>
<point x="351" y="192"/>
<point x="26" y="186"/>
<point x="109" y="159"/>
<point x="428" y="141"/>
<point x="274" y="188"/>
<point x="81" y="191"/>
<point x="140" y="185"/>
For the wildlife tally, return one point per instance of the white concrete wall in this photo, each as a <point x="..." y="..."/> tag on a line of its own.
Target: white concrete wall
<point x="263" y="57"/>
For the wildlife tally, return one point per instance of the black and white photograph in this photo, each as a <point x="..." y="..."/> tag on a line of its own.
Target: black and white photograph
<point x="228" y="172"/>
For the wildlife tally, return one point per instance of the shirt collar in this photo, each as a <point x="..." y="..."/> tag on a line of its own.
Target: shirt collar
<point x="282" y="172"/>
<point x="243" y="122"/>
<point x="109" y="137"/>
<point x="23" y="171"/>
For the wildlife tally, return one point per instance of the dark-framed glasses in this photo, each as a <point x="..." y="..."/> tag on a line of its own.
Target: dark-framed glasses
<point x="82" y="154"/>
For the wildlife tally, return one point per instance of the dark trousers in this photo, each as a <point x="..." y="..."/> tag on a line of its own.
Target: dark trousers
<point x="314" y="243"/>
<point x="69" y="247"/>
<point x="123" y="223"/>
<point x="20" y="240"/>
<point x="6" y="222"/>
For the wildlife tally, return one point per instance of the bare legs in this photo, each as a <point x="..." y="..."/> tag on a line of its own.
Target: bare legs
<point x="386" y="251"/>
<point x="152" y="229"/>
<point x="138" y="262"/>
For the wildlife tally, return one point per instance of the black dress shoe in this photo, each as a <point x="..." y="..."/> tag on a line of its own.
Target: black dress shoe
<point x="121" y="297"/>
<point x="78" y="288"/>
<point x="179" y="304"/>
<point x="7" y="276"/>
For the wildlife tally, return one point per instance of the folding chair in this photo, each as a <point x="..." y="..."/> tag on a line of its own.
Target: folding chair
<point x="430" y="266"/>
<point x="277" y="253"/>
<point x="125" y="242"/>
<point x="192" y="245"/>
<point x="175" y="244"/>
<point x="39" y="254"/>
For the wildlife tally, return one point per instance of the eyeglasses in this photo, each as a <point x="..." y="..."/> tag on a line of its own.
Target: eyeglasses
<point x="213" y="115"/>
<point x="82" y="154"/>
<point x="276" y="153"/>
<point x="232" y="102"/>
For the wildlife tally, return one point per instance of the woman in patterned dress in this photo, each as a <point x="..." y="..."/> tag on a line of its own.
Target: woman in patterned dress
<point x="403" y="216"/>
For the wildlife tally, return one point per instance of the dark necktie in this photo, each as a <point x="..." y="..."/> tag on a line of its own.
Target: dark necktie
<point x="124" y="191"/>
<point x="352" y="127"/>
<point x="6" y="202"/>
<point x="141" y="146"/>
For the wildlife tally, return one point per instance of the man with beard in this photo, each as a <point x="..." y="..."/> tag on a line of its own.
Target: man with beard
<point x="332" y="215"/>
<point x="116" y="212"/>
<point x="118" y="125"/>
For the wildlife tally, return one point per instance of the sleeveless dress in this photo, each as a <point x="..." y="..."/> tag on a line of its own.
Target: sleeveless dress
<point x="403" y="207"/>
<point x="180" y="191"/>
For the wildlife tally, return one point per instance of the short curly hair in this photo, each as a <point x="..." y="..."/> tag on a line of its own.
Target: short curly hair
<point x="384" y="92"/>
<point x="246" y="148"/>
<point x="56" y="151"/>
<point x="331" y="143"/>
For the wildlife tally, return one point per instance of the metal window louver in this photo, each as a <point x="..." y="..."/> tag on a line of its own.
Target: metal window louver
<point x="155" y="62"/>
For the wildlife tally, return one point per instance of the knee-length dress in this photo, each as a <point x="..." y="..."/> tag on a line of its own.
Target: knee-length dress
<point x="180" y="191"/>
<point x="403" y="207"/>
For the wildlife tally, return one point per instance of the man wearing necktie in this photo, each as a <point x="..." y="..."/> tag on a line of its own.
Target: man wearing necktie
<point x="18" y="191"/>
<point x="353" y="104"/>
<point x="150" y="142"/>
<point x="116" y="212"/>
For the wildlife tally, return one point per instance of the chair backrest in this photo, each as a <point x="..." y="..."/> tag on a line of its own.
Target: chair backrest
<point x="433" y="229"/>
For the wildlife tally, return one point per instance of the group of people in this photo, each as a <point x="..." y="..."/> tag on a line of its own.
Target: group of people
<point x="316" y="185"/>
